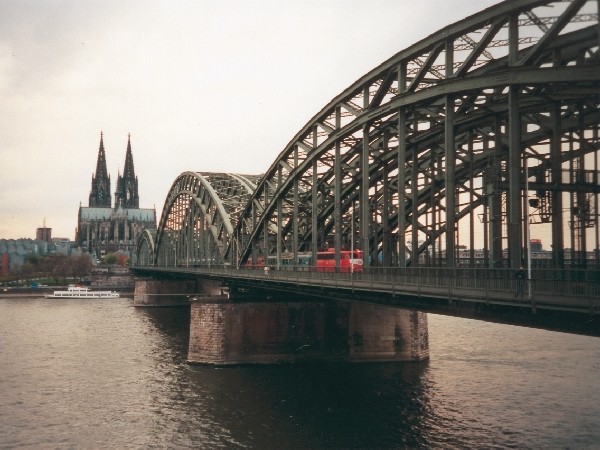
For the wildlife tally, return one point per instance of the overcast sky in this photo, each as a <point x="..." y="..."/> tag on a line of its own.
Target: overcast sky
<point x="216" y="86"/>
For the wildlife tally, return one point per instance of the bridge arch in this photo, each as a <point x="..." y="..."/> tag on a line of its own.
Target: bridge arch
<point x="450" y="152"/>
<point x="481" y="109"/>
<point x="146" y="248"/>
<point x="199" y="216"/>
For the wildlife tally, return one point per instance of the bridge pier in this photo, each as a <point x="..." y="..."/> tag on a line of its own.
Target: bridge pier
<point x="151" y="292"/>
<point x="382" y="333"/>
<point x="226" y="332"/>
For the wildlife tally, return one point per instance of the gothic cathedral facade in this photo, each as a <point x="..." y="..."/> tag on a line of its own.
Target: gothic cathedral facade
<point x="102" y="228"/>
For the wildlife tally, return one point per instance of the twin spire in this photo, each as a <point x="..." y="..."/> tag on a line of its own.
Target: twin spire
<point x="126" y="194"/>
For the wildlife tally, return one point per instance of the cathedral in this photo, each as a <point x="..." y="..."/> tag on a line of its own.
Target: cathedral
<point x="102" y="228"/>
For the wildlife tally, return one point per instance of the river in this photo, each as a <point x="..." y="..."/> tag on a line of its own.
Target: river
<point x="104" y="374"/>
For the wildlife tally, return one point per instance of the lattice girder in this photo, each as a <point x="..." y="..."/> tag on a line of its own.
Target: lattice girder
<point x="435" y="146"/>
<point x="146" y="248"/>
<point x="197" y="223"/>
<point x="488" y="54"/>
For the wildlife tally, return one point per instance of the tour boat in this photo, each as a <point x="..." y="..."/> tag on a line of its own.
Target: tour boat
<point x="82" y="292"/>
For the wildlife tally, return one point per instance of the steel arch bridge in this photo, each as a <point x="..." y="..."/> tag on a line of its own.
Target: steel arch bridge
<point x="480" y="136"/>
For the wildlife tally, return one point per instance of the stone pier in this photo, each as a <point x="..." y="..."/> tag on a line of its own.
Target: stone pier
<point x="382" y="333"/>
<point x="150" y="292"/>
<point x="226" y="332"/>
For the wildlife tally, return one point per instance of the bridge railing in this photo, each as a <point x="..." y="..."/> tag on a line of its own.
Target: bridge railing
<point x="497" y="284"/>
<point x="577" y="290"/>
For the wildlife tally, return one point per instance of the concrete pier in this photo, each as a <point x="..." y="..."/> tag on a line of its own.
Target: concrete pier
<point x="226" y="332"/>
<point x="150" y="292"/>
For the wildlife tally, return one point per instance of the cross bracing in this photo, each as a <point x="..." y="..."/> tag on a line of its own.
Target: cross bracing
<point x="198" y="219"/>
<point x="500" y="110"/>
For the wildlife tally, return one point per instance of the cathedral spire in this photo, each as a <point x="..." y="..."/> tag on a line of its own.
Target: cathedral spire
<point x="101" y="171"/>
<point x="100" y="192"/>
<point x="126" y="195"/>
<point x="129" y="170"/>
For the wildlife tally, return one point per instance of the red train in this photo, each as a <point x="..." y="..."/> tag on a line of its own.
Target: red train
<point x="350" y="262"/>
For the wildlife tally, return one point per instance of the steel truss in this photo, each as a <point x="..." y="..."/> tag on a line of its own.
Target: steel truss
<point x="500" y="110"/>
<point x="199" y="218"/>
<point x="146" y="248"/>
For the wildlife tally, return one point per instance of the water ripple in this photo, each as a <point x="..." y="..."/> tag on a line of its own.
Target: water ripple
<point x="76" y="374"/>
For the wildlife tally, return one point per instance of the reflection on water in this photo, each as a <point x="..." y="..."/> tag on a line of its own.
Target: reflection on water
<point x="105" y="374"/>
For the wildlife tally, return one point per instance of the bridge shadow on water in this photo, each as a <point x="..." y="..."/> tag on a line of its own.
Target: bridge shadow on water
<point x="464" y="397"/>
<point x="309" y="405"/>
<point x="338" y="405"/>
<point x="172" y="323"/>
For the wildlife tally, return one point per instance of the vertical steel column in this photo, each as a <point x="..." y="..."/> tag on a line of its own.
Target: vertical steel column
<point x="208" y="241"/>
<point x="182" y="230"/>
<point x="364" y="198"/>
<point x="556" y="204"/>
<point x="173" y="240"/>
<point x="194" y="209"/>
<point x="265" y="250"/>
<point x="514" y="179"/>
<point x="434" y="208"/>
<point x="582" y="201"/>
<point x="194" y="236"/>
<point x="450" y="153"/>
<point x="597" y="182"/>
<point x="177" y="232"/>
<point x="572" y="218"/>
<point x="189" y="225"/>
<point x="279" y="217"/>
<point x="495" y="198"/>
<point x="364" y="186"/>
<point x="472" y="200"/>
<point x="386" y="247"/>
<point x="241" y="240"/>
<point x="253" y="244"/>
<point x="402" y="169"/>
<point x="195" y="255"/>
<point x="450" y="183"/>
<point x="314" y="196"/>
<point x="525" y="212"/>
<point x="514" y="154"/>
<point x="484" y="188"/>
<point x="160" y="252"/>
<point x="414" y="193"/>
<point x="440" y="169"/>
<point x="201" y="240"/>
<point x="295" y="224"/>
<point x="166" y="247"/>
<point x="182" y="233"/>
<point x="337" y="194"/>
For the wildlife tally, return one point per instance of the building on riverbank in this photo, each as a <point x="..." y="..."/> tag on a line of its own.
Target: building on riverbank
<point x="13" y="252"/>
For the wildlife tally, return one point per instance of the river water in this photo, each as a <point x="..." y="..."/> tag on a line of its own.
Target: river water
<point x="103" y="374"/>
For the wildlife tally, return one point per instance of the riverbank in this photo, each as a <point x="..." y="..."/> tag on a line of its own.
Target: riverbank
<point x="6" y="292"/>
<point x="12" y="294"/>
<point x="29" y="292"/>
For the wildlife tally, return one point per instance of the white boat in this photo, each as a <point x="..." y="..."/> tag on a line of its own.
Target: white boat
<point x="82" y="292"/>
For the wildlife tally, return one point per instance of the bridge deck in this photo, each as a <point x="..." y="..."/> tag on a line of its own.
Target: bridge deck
<point x="566" y="301"/>
<point x="428" y="285"/>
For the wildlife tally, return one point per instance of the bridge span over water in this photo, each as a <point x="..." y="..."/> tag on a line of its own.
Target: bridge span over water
<point x="442" y="165"/>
